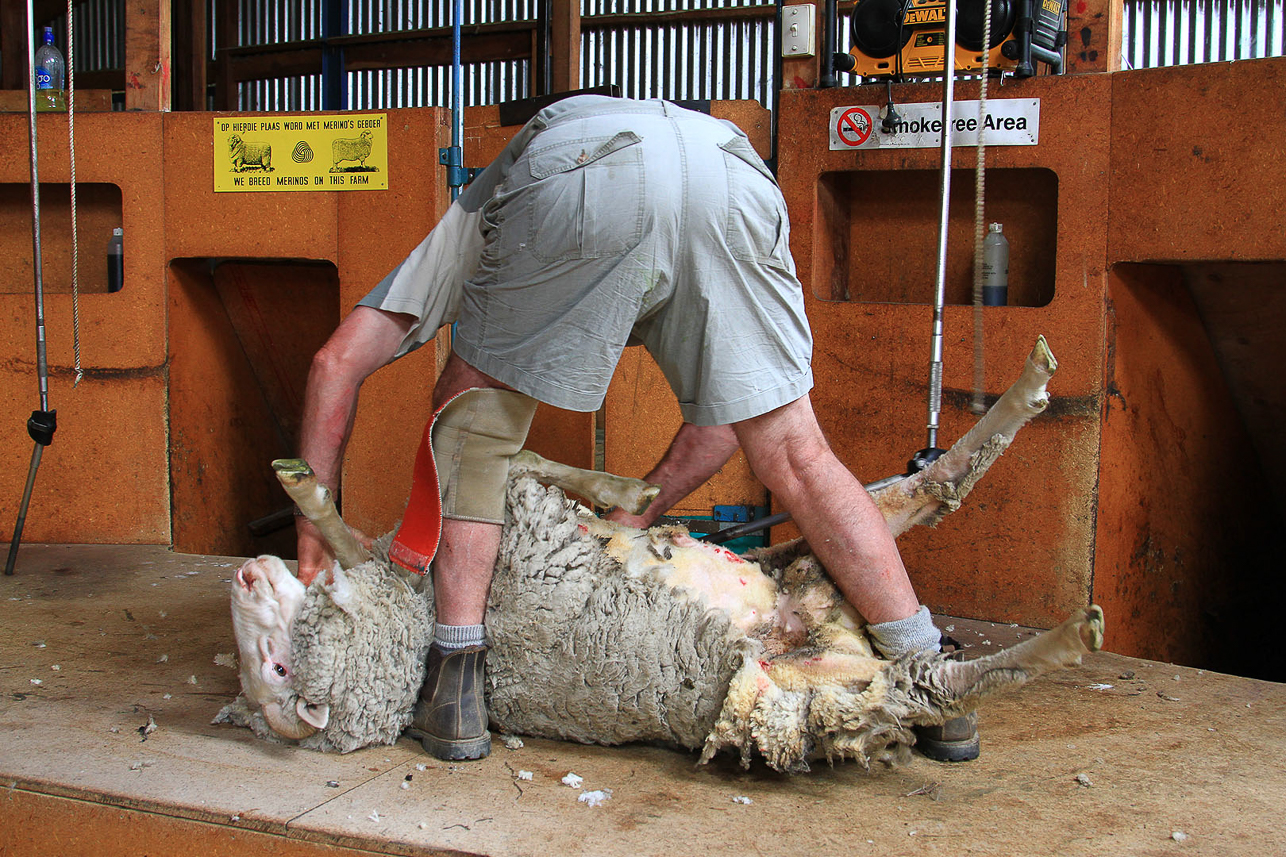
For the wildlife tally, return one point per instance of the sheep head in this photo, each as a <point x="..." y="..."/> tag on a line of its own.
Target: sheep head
<point x="266" y="598"/>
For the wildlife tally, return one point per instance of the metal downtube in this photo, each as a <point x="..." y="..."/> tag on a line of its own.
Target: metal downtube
<point x="940" y="290"/>
<point x="42" y="363"/>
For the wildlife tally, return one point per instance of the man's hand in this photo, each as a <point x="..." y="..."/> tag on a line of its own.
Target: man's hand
<point x="315" y="555"/>
<point x="695" y="454"/>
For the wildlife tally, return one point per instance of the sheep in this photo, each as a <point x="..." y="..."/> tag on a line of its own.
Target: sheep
<point x="347" y="149"/>
<point x="349" y="675"/>
<point x="249" y="153"/>
<point x="606" y="634"/>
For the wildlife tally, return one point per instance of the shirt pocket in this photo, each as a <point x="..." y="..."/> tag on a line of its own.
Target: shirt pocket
<point x="586" y="199"/>
<point x="758" y="224"/>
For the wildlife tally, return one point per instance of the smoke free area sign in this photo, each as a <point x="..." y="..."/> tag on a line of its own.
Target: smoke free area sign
<point x="1009" y="122"/>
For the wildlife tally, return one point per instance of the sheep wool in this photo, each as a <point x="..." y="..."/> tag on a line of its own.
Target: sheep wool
<point x="360" y="644"/>
<point x="616" y="657"/>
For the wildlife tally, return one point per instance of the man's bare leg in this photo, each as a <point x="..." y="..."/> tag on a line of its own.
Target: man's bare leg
<point x="451" y="716"/>
<point x="790" y="455"/>
<point x="467" y="553"/>
<point x="848" y="534"/>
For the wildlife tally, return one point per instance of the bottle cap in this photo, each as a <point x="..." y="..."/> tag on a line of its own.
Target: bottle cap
<point x="116" y="230"/>
<point x="49" y="35"/>
<point x="997" y="227"/>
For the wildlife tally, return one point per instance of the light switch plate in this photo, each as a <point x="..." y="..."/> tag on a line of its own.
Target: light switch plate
<point x="798" y="33"/>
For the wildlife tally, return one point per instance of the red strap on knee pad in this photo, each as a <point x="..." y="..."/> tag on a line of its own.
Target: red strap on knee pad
<point x="417" y="539"/>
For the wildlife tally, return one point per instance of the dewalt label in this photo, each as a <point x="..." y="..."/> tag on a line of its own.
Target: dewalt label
<point x="301" y="153"/>
<point x="926" y="16"/>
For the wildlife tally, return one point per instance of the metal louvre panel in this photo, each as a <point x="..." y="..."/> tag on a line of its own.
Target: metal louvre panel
<point x="1159" y="33"/>
<point x="679" y="60"/>
<point x="99" y="31"/>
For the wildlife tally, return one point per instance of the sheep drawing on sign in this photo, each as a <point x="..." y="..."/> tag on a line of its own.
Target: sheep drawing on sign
<point x="607" y="634"/>
<point x="345" y="149"/>
<point x="249" y="154"/>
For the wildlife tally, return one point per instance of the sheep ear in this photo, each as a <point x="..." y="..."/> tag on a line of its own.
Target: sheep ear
<point x="314" y="715"/>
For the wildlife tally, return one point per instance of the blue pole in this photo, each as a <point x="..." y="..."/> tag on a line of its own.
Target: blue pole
<point x="457" y="99"/>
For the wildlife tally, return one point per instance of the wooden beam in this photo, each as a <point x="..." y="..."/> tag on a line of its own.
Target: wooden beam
<point x="267" y="66"/>
<point x="147" y="55"/>
<point x="191" y="49"/>
<point x="225" y="89"/>
<point x="1093" y="36"/>
<point x="565" y="34"/>
<point x="685" y="16"/>
<point x="477" y="48"/>
<point x="13" y="46"/>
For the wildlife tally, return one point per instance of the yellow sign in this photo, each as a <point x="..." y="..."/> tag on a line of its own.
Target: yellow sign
<point x="310" y="152"/>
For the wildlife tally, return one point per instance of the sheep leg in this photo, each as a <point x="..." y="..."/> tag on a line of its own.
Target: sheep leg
<point x="961" y="684"/>
<point x="315" y="501"/>
<point x="927" y="496"/>
<point x="601" y="489"/>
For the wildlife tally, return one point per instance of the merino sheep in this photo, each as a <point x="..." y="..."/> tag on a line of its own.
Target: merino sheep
<point x="349" y="149"/>
<point x="249" y="153"/>
<point x="606" y="634"/>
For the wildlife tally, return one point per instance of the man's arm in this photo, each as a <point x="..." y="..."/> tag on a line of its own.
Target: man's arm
<point x="364" y="341"/>
<point x="695" y="454"/>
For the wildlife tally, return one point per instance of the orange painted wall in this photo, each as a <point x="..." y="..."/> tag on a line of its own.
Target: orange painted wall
<point x="1136" y="180"/>
<point x="1190" y="463"/>
<point x="104" y="477"/>
<point x="1022" y="548"/>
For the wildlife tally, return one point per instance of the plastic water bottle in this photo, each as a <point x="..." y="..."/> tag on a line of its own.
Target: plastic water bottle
<point x="51" y="72"/>
<point x="116" y="260"/>
<point x="995" y="267"/>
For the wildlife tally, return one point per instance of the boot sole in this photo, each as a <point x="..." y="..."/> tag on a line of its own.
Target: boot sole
<point x="950" y="751"/>
<point x="453" y="750"/>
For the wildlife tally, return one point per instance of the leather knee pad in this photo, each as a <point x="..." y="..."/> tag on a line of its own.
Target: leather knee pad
<point x="473" y="439"/>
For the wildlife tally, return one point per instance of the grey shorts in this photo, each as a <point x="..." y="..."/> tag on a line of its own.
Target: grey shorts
<point x="643" y="220"/>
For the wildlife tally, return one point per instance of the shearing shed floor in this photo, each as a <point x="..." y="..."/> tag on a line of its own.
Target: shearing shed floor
<point x="114" y="660"/>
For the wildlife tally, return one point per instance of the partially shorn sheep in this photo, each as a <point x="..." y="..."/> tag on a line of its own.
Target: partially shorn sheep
<point x="606" y="634"/>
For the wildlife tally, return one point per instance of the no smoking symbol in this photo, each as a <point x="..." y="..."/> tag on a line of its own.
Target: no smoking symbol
<point x="854" y="126"/>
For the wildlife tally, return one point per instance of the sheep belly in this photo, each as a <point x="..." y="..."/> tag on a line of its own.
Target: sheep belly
<point x="582" y="651"/>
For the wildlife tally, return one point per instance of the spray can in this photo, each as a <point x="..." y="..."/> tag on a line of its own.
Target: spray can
<point x="116" y="260"/>
<point x="995" y="267"/>
<point x="51" y="72"/>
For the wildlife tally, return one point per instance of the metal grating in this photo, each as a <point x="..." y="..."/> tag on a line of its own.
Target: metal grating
<point x="686" y="55"/>
<point x="678" y="60"/>
<point x="1159" y="33"/>
<point x="99" y="35"/>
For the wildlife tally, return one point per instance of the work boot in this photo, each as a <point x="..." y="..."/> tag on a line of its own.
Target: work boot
<point x="953" y="741"/>
<point x="451" y="716"/>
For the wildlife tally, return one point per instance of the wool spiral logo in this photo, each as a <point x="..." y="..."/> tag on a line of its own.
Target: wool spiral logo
<point x="302" y="153"/>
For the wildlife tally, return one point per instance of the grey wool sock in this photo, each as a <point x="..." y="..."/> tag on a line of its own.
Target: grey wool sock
<point x="449" y="638"/>
<point x="915" y="633"/>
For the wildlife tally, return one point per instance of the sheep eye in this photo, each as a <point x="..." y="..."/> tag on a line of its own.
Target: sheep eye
<point x="279" y="669"/>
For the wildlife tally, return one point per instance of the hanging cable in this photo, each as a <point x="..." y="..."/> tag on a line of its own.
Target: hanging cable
<point x="75" y="240"/>
<point x="978" y="406"/>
